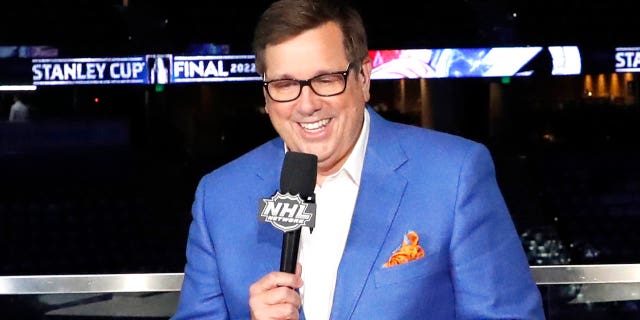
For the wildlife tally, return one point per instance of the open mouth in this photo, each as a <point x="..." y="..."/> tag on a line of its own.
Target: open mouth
<point x="313" y="126"/>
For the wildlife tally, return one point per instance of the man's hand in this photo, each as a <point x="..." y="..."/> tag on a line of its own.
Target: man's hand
<point x="274" y="296"/>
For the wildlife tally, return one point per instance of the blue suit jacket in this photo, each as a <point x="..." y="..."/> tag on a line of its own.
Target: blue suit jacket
<point x="441" y="186"/>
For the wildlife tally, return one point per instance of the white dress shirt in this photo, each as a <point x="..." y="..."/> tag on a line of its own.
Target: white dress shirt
<point x="321" y="251"/>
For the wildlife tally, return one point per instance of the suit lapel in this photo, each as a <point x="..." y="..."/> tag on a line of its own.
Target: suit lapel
<point x="269" y="239"/>
<point x="381" y="190"/>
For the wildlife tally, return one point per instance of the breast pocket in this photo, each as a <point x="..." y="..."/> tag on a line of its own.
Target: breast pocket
<point x="428" y="266"/>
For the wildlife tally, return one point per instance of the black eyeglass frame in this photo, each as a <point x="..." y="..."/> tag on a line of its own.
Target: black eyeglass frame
<point x="303" y="83"/>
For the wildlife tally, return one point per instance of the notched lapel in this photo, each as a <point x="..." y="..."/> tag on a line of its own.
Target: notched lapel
<point x="268" y="238"/>
<point x="381" y="191"/>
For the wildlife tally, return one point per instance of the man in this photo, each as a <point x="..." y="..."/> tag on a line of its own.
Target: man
<point x="378" y="183"/>
<point x="19" y="111"/>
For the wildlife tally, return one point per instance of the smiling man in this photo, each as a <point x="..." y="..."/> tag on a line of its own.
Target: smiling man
<point x="410" y="222"/>
<point x="325" y="117"/>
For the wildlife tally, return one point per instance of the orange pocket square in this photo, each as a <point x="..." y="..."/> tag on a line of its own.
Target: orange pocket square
<point x="409" y="251"/>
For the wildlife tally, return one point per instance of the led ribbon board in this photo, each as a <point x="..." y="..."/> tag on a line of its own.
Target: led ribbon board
<point x="471" y="62"/>
<point x="188" y="69"/>
<point x="387" y="64"/>
<point x="627" y="59"/>
<point x="73" y="71"/>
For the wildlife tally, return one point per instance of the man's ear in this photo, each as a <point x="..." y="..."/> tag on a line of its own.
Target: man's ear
<point x="266" y="100"/>
<point x="365" y="77"/>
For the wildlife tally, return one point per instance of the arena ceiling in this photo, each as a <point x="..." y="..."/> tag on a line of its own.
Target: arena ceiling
<point x="135" y="26"/>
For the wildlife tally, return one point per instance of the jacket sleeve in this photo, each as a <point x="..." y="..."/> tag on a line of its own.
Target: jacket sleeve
<point x="491" y="276"/>
<point x="201" y="296"/>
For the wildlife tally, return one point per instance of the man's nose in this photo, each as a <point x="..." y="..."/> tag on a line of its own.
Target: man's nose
<point x="309" y="101"/>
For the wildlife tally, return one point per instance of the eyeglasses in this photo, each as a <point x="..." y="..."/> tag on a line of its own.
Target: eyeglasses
<point x="324" y="85"/>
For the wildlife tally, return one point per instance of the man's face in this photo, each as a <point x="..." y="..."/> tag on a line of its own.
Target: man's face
<point x="325" y="126"/>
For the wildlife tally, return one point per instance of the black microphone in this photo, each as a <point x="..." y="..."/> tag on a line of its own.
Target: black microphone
<point x="298" y="177"/>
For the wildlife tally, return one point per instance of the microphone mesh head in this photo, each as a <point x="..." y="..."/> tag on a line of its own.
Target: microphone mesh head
<point x="299" y="172"/>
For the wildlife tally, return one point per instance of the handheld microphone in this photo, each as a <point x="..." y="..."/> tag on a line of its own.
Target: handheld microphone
<point x="298" y="177"/>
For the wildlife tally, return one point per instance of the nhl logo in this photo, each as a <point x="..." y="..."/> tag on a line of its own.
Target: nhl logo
<point x="287" y="212"/>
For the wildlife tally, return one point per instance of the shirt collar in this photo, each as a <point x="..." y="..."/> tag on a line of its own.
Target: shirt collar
<point x="355" y="162"/>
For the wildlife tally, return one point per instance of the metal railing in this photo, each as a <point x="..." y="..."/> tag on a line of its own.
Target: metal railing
<point x="169" y="282"/>
<point x="157" y="294"/>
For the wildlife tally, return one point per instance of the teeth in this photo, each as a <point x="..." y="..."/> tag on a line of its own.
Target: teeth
<point x="315" y="125"/>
